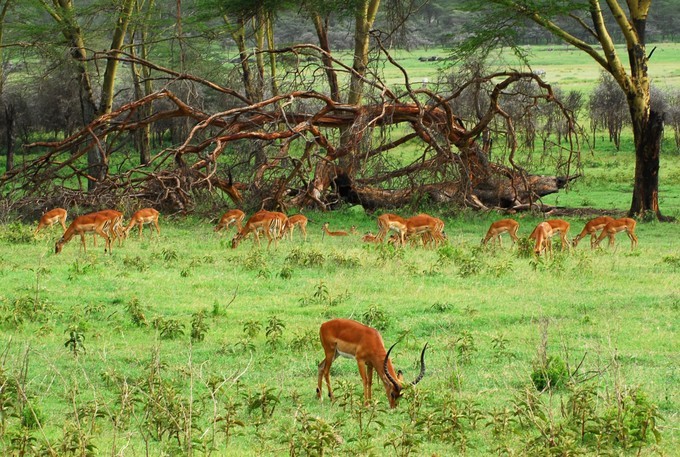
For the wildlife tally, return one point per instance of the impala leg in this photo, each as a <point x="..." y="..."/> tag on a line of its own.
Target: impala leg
<point x="107" y="240"/>
<point x="369" y="379"/>
<point x="325" y="372"/>
<point x="513" y="235"/>
<point x="158" y="227"/>
<point x="364" y="380"/>
<point x="141" y="229"/>
<point x="303" y="229"/>
<point x="611" y="239"/>
<point x="82" y="242"/>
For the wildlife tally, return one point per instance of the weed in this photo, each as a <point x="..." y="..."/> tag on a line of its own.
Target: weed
<point x="169" y="329"/>
<point x="388" y="253"/>
<point x="136" y="262"/>
<point x="25" y="308"/>
<point x="136" y="312"/>
<point x="255" y="260"/>
<point x="671" y="260"/>
<point x="304" y="341"/>
<point x="500" y="347"/>
<point x="265" y="401"/>
<point x="525" y="248"/>
<point x="405" y="440"/>
<point x="441" y="307"/>
<point x="286" y="272"/>
<point x="551" y="375"/>
<point x="314" y="436"/>
<point x="468" y="265"/>
<point x="199" y="326"/>
<point x="16" y="233"/>
<point x="252" y="328"/>
<point x="229" y="419"/>
<point x="375" y="317"/>
<point x="501" y="268"/>
<point x="274" y="331"/>
<point x="169" y="255"/>
<point x="465" y="347"/>
<point x="305" y="257"/>
<point x="79" y="268"/>
<point x="345" y="260"/>
<point x="75" y="343"/>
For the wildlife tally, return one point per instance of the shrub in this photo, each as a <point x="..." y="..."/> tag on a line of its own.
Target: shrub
<point x="552" y="375"/>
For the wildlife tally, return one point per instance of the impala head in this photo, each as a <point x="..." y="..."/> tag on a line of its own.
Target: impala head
<point x="397" y="386"/>
<point x="236" y="240"/>
<point x="59" y="245"/>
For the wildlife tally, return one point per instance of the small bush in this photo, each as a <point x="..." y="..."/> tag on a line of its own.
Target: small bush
<point x="551" y="376"/>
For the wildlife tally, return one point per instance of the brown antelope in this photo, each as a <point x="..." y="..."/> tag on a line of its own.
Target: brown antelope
<point x="542" y="234"/>
<point x="332" y="233"/>
<point x="115" y="228"/>
<point x="430" y="229"/>
<point x="348" y="338"/>
<point x="387" y="222"/>
<point x="591" y="228"/>
<point x="231" y="217"/>
<point x="619" y="225"/>
<point x="52" y="217"/>
<point x="299" y="220"/>
<point x="509" y="226"/>
<point x="277" y="228"/>
<point x="90" y="223"/>
<point x="262" y="221"/>
<point x="141" y="217"/>
<point x="370" y="238"/>
<point x="562" y="227"/>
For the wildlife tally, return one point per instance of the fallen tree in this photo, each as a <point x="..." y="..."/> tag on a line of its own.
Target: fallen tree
<point x="309" y="164"/>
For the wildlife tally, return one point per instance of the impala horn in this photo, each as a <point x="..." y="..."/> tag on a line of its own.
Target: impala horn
<point x="409" y="384"/>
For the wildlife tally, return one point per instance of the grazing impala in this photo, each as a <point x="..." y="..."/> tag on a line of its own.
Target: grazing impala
<point x="262" y="221"/>
<point x="277" y="228"/>
<point x="562" y="227"/>
<point x="331" y="232"/>
<point x="591" y="228"/>
<point x="90" y="223"/>
<point x="141" y="217"/>
<point x="231" y="217"/>
<point x="387" y="222"/>
<point x="542" y="234"/>
<point x="299" y="220"/>
<point x="352" y="339"/>
<point x="619" y="225"/>
<point x="370" y="238"/>
<point x="509" y="226"/>
<point x="425" y="226"/>
<point x="115" y="228"/>
<point x="50" y="218"/>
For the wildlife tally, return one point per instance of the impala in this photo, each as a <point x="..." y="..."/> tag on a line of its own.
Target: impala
<point x="619" y="225"/>
<point x="370" y="238"/>
<point x="509" y="226"/>
<point x="430" y="229"/>
<point x="115" y="229"/>
<point x="387" y="222"/>
<point x="332" y="233"/>
<point x="562" y="227"/>
<point x="542" y="234"/>
<point x="234" y="216"/>
<point x="277" y="229"/>
<point x="352" y="339"/>
<point x="141" y="217"/>
<point x="299" y="220"/>
<point x="591" y="228"/>
<point x="96" y="223"/>
<point x="52" y="217"/>
<point x="261" y="221"/>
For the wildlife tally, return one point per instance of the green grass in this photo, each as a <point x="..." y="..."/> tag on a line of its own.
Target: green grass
<point x="618" y="308"/>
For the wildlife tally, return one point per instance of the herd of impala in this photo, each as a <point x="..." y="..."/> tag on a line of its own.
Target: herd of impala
<point x="343" y="337"/>
<point x="544" y="231"/>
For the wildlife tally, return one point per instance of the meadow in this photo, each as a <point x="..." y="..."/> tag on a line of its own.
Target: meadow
<point x="180" y="345"/>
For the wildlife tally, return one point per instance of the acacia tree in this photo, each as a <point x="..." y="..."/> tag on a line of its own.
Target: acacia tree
<point x="65" y="15"/>
<point x="570" y="20"/>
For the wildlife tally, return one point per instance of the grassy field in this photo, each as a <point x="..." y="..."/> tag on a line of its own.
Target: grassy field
<point x="245" y="384"/>
<point x="564" y="66"/>
<point x="179" y="344"/>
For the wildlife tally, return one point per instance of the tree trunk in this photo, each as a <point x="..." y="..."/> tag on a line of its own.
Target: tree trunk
<point x="647" y="146"/>
<point x="10" y="119"/>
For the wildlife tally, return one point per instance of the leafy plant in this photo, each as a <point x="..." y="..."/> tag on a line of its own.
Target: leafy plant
<point x="274" y="331"/>
<point x="375" y="317"/>
<point x="465" y="347"/>
<point x="136" y="312"/>
<point x="551" y="375"/>
<point x="199" y="326"/>
<point x="169" y="329"/>
<point x="252" y="328"/>
<point x="75" y="343"/>
<point x="305" y="257"/>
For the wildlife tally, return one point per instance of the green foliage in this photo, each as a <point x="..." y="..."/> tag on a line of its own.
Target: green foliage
<point x="76" y="342"/>
<point x="169" y="329"/>
<point x="16" y="233"/>
<point x="136" y="311"/>
<point x="274" y="331"/>
<point x="551" y="375"/>
<point x="305" y="257"/>
<point x="199" y="326"/>
<point x="375" y="317"/>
